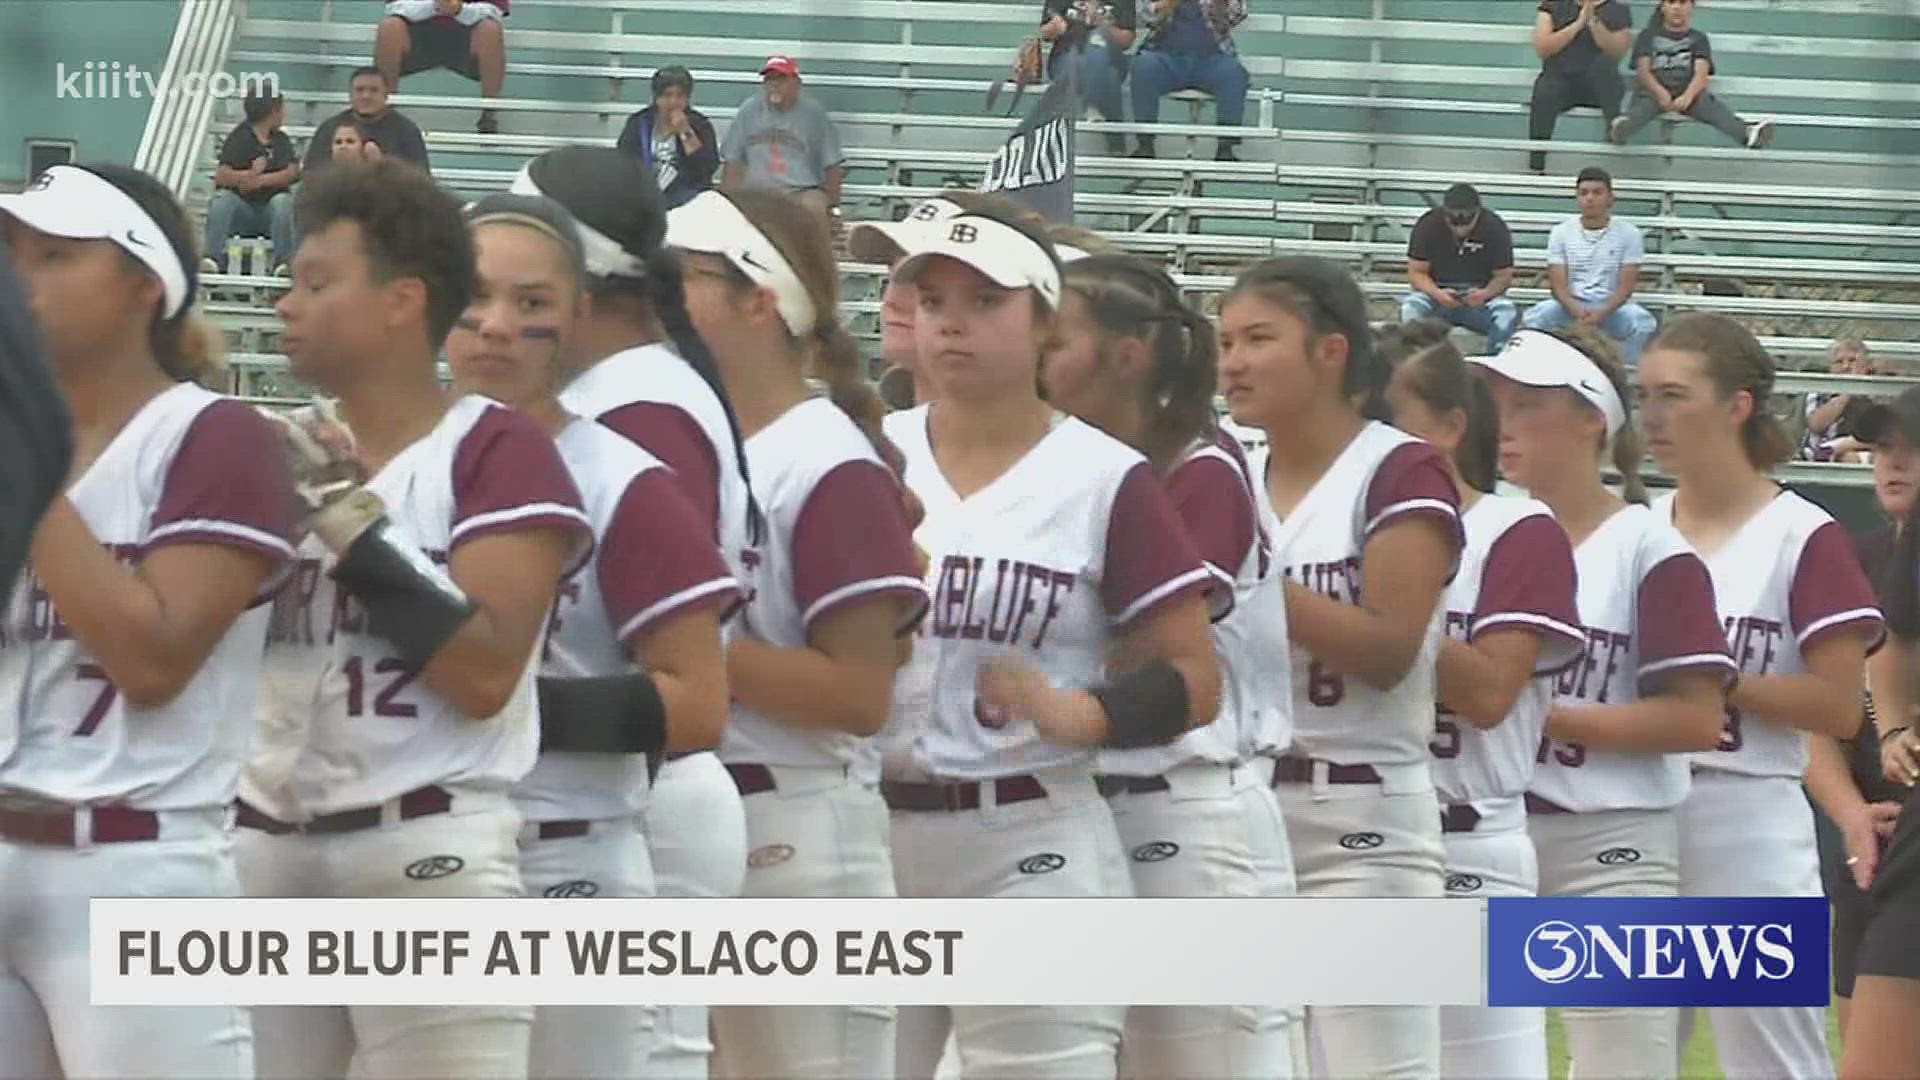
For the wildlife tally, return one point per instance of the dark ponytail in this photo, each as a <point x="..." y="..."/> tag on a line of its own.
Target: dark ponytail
<point x="1899" y="582"/>
<point x="1322" y="294"/>
<point x="1436" y="372"/>
<point x="1129" y="297"/>
<point x="1629" y="450"/>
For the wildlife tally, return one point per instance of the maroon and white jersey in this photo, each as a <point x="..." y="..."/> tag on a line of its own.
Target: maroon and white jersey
<point x="653" y="396"/>
<point x="1647" y="606"/>
<point x="190" y="467"/>
<point x="1211" y="489"/>
<point x="1382" y="478"/>
<point x="652" y="559"/>
<point x="1789" y="577"/>
<point x="1047" y="564"/>
<point x="1516" y="572"/>
<point x="836" y="533"/>
<point x="347" y="723"/>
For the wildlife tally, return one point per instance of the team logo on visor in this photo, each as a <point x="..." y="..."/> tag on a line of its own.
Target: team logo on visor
<point x="963" y="234"/>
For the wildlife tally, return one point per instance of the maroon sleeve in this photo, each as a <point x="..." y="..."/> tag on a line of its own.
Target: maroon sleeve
<point x="851" y="542"/>
<point x="1412" y="481"/>
<point x="671" y="434"/>
<point x="1830" y="592"/>
<point x="1677" y="622"/>
<point x="1528" y="582"/>
<point x="1149" y="559"/>
<point x="1211" y="499"/>
<point x="228" y="484"/>
<point x="508" y="477"/>
<point x="655" y="558"/>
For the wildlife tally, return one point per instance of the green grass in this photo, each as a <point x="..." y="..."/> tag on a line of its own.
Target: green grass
<point x="1698" y="1063"/>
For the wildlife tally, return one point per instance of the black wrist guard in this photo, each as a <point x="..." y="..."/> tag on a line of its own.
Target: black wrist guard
<point x="409" y="601"/>
<point x="612" y="714"/>
<point x="1145" y="707"/>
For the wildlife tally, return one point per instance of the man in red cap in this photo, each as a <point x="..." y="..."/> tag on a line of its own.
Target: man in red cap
<point x="784" y="139"/>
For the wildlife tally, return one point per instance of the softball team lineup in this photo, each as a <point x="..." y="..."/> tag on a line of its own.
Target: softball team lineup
<point x="658" y="598"/>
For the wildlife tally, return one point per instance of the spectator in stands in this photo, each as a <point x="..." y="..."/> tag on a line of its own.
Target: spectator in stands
<point x="1832" y="419"/>
<point x="674" y="138"/>
<point x="1460" y="264"/>
<point x="253" y="184"/>
<point x="1593" y="264"/>
<point x="465" y="37"/>
<point x="1672" y="64"/>
<point x="1092" y="36"/>
<point x="784" y="139"/>
<point x="1580" y="43"/>
<point x="350" y="143"/>
<point x="1190" y="47"/>
<point x="397" y="136"/>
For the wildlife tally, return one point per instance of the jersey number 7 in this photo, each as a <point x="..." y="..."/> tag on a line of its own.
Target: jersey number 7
<point x="102" y="702"/>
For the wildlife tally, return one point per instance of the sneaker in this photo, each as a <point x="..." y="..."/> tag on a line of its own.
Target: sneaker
<point x="1616" y="131"/>
<point x="283" y="271"/>
<point x="1144" y="149"/>
<point x="1116" y="146"/>
<point x="209" y="265"/>
<point x="1225" y="153"/>
<point x="1760" y="134"/>
<point x="489" y="122"/>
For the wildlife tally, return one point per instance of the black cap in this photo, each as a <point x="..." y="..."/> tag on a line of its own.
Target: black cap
<point x="1884" y="418"/>
<point x="1461" y="198"/>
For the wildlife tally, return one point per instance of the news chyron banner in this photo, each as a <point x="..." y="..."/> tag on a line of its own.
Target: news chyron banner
<point x="1035" y="165"/>
<point x="1700" y="952"/>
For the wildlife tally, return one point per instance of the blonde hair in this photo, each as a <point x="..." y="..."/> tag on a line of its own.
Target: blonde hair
<point x="1083" y="238"/>
<point x="1629" y="449"/>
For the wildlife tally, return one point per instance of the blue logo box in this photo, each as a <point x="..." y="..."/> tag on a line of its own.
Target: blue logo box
<point x="1658" y="951"/>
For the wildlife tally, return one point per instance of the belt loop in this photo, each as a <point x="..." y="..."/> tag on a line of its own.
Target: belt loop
<point x="390" y="813"/>
<point x="82" y="827"/>
<point x="1319" y="784"/>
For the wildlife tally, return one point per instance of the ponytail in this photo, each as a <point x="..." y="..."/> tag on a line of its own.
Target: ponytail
<point x="1440" y="377"/>
<point x="1479" y="453"/>
<point x="1629" y="449"/>
<point x="1183" y="388"/>
<point x="1130" y="298"/>
<point x="190" y="349"/>
<point x="668" y="300"/>
<point x="1899" y="582"/>
<point x="836" y="361"/>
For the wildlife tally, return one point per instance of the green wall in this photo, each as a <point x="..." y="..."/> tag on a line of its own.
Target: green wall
<point x="37" y="37"/>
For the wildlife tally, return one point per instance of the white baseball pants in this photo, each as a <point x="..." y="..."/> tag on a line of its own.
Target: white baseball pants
<point x="1613" y="853"/>
<point x="1496" y="858"/>
<point x="1368" y="840"/>
<point x="1191" y="840"/>
<point x="468" y="852"/>
<point x="48" y="1026"/>
<point x="1273" y="869"/>
<point x="1063" y="845"/>
<point x="696" y="832"/>
<point x="1753" y="836"/>
<point x="816" y="833"/>
<point x="609" y="859"/>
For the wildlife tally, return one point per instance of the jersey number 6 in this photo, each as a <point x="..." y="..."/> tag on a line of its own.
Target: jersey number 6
<point x="1324" y="688"/>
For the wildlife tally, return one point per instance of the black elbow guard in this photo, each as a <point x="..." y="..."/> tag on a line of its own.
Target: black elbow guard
<point x="1145" y="707"/>
<point x="611" y="714"/>
<point x="409" y="601"/>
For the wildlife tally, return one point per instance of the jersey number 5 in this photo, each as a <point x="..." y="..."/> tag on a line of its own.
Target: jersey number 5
<point x="383" y="703"/>
<point x="1446" y="738"/>
<point x="102" y="702"/>
<point x="1324" y="688"/>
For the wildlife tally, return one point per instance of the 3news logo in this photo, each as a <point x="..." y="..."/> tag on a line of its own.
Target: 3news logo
<point x="1657" y="951"/>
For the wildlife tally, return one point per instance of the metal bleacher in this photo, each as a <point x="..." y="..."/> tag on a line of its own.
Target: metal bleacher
<point x="1363" y="112"/>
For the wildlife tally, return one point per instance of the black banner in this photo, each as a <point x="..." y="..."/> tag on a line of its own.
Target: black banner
<point x="1035" y="165"/>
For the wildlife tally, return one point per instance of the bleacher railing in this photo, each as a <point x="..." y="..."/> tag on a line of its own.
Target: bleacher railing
<point x="170" y="147"/>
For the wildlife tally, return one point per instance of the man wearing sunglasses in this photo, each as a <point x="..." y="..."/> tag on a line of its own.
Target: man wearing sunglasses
<point x="1460" y="263"/>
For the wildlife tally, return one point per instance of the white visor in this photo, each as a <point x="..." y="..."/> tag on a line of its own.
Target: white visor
<point x="709" y="223"/>
<point x="1008" y="257"/>
<point x="885" y="241"/>
<point x="602" y="254"/>
<point x="1536" y="358"/>
<point x="70" y="202"/>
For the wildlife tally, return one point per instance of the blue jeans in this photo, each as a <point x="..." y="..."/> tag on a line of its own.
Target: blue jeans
<point x="1100" y="77"/>
<point x="1157" y="73"/>
<point x="1496" y="321"/>
<point x="229" y="215"/>
<point x="1631" y="325"/>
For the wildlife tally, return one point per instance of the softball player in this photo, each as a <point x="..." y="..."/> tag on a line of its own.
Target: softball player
<point x="1650" y="684"/>
<point x="633" y="651"/>
<point x="874" y="242"/>
<point x="813" y="664"/>
<point x="1052" y="548"/>
<point x="665" y="397"/>
<point x="401" y="702"/>
<point x="1511" y="623"/>
<point x="129" y="655"/>
<point x="1134" y="361"/>
<point x="1366" y="514"/>
<point x="1799" y="617"/>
